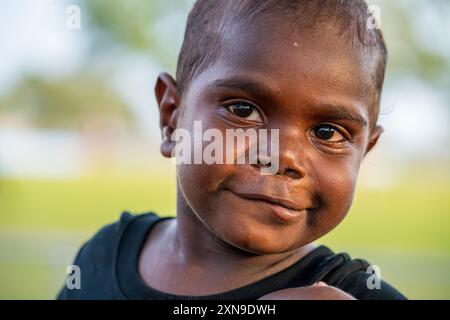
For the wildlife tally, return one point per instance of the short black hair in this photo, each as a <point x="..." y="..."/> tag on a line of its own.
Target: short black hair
<point x="209" y="19"/>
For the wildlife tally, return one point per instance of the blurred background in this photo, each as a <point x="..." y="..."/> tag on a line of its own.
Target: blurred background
<point x="79" y="139"/>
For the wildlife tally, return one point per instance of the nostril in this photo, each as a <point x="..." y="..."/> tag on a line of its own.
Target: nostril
<point x="292" y="173"/>
<point x="260" y="164"/>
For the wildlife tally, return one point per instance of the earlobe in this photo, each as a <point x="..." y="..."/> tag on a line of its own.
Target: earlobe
<point x="373" y="139"/>
<point x="167" y="145"/>
<point x="168" y="98"/>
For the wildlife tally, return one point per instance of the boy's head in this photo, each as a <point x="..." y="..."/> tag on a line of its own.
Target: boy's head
<point x="313" y="70"/>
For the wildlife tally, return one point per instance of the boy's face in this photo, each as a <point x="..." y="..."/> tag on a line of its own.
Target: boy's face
<point x="312" y="87"/>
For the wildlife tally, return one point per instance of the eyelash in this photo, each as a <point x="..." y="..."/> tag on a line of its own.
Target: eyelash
<point x="345" y="135"/>
<point x="255" y="108"/>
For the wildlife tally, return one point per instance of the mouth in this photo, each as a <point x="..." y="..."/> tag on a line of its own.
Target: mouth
<point x="282" y="209"/>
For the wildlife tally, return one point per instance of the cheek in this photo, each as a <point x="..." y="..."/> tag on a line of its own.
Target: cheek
<point x="336" y="186"/>
<point x="198" y="182"/>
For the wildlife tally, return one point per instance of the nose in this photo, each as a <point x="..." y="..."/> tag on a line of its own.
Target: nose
<point x="290" y="154"/>
<point x="292" y="173"/>
<point x="288" y="166"/>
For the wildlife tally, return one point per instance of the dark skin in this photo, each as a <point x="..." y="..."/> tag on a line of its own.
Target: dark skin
<point x="318" y="98"/>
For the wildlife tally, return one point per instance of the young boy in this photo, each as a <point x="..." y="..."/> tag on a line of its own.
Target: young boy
<point x="313" y="70"/>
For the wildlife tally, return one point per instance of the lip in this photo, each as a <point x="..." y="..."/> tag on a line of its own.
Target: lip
<point x="283" y="209"/>
<point x="285" y="214"/>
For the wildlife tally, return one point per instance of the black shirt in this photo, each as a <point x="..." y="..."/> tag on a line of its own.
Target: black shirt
<point x="109" y="269"/>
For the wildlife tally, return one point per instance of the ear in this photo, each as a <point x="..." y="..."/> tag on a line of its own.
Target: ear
<point x="373" y="139"/>
<point x="168" y="99"/>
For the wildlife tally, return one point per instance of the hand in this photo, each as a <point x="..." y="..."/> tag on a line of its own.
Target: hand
<point x="318" y="291"/>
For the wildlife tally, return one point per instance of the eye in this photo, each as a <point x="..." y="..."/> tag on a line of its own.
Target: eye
<point x="329" y="133"/>
<point x="245" y="111"/>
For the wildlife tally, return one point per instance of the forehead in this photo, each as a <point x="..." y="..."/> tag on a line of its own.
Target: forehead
<point x="297" y="66"/>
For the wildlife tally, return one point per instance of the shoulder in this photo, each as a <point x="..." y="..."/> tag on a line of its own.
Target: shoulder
<point x="96" y="259"/>
<point x="102" y="247"/>
<point x="367" y="285"/>
<point x="356" y="277"/>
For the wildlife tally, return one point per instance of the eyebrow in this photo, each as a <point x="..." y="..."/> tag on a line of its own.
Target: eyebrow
<point x="333" y="112"/>
<point x="336" y="112"/>
<point x="251" y="87"/>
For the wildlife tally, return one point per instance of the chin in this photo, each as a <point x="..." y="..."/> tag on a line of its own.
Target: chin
<point x="263" y="242"/>
<point x="267" y="248"/>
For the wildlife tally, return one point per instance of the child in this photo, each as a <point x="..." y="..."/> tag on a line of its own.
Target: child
<point x="310" y="72"/>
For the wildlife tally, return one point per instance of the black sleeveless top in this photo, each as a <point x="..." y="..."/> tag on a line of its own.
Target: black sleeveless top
<point x="109" y="269"/>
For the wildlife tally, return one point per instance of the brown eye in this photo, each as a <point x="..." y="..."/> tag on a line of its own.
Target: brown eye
<point x="245" y="111"/>
<point x="328" y="133"/>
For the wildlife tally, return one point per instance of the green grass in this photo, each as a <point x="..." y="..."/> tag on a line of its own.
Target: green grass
<point x="412" y="215"/>
<point x="85" y="203"/>
<point x="404" y="229"/>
